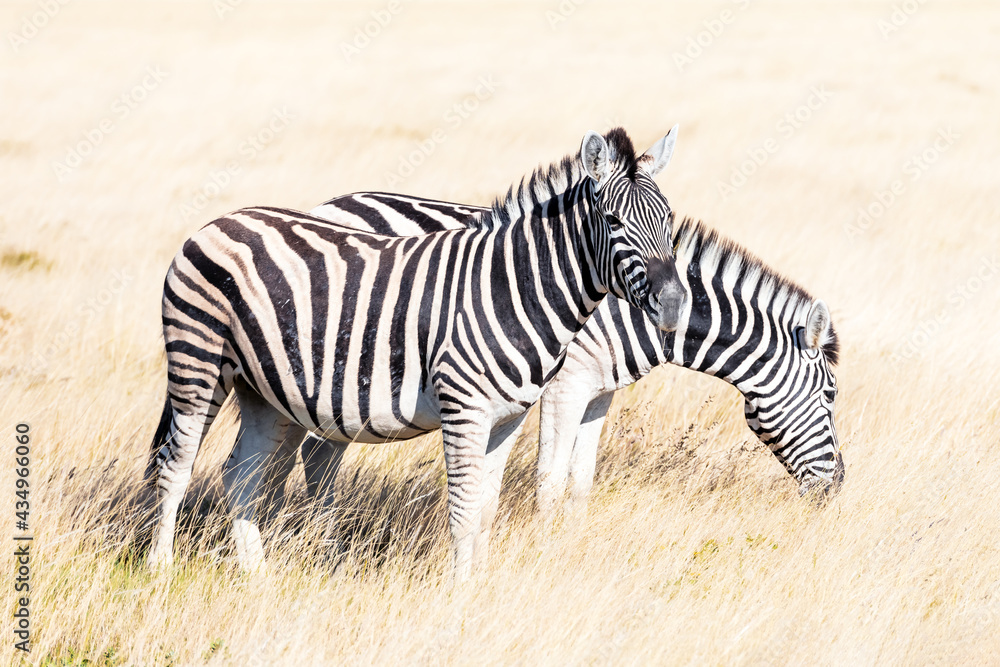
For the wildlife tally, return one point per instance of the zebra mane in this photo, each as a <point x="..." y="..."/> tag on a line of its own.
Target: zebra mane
<point x="696" y="243"/>
<point x="545" y="183"/>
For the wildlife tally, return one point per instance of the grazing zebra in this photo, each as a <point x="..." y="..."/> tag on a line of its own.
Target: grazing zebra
<point x="362" y="337"/>
<point x="746" y="324"/>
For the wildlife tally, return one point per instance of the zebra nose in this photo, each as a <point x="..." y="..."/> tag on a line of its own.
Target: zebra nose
<point x="667" y="296"/>
<point x="820" y="488"/>
<point x="838" y="475"/>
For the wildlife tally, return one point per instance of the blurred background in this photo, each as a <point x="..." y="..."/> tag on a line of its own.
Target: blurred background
<point x="852" y="145"/>
<point x="126" y="126"/>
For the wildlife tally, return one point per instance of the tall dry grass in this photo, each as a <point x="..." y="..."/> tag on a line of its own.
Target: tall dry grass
<point x="696" y="548"/>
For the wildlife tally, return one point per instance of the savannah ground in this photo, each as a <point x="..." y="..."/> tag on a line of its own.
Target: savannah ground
<point x="697" y="548"/>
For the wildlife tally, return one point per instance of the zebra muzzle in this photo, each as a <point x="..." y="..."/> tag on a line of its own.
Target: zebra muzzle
<point x="667" y="297"/>
<point x="822" y="489"/>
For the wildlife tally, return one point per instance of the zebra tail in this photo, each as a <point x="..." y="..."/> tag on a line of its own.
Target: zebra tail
<point x="159" y="440"/>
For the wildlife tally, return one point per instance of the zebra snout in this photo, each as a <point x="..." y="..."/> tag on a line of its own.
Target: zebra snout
<point x="667" y="296"/>
<point x="838" y="476"/>
<point x="823" y="489"/>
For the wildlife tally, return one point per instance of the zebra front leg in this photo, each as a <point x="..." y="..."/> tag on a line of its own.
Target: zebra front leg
<point x="502" y="440"/>
<point x="262" y="430"/>
<point x="466" y="435"/>
<point x="561" y="410"/>
<point x="584" y="460"/>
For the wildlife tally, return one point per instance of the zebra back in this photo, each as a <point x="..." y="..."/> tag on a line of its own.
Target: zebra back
<point x="624" y="342"/>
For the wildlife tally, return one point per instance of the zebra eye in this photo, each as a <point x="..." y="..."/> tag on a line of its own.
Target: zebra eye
<point x="830" y="395"/>
<point x="615" y="222"/>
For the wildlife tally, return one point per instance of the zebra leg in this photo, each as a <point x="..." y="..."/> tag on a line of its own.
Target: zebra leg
<point x="321" y="459"/>
<point x="502" y="440"/>
<point x="560" y="414"/>
<point x="466" y="432"/>
<point x="280" y="467"/>
<point x="263" y="429"/>
<point x="175" y="463"/>
<point x="200" y="392"/>
<point x="584" y="459"/>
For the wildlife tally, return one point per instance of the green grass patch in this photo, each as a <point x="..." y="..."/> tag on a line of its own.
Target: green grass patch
<point x="23" y="260"/>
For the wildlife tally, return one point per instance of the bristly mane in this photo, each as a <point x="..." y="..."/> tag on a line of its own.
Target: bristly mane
<point x="694" y="242"/>
<point x="622" y="151"/>
<point x="545" y="183"/>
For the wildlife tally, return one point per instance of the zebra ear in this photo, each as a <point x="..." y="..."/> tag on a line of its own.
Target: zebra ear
<point x="817" y="325"/>
<point x="657" y="158"/>
<point x="594" y="153"/>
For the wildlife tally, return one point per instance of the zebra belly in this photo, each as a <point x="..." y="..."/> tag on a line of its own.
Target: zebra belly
<point x="348" y="334"/>
<point x="329" y="330"/>
<point x="347" y="405"/>
<point x="382" y="424"/>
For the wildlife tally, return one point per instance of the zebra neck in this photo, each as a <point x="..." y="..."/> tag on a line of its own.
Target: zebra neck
<point x="543" y="267"/>
<point x="727" y="334"/>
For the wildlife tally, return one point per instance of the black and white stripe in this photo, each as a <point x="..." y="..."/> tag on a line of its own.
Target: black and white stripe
<point x="364" y="337"/>
<point x="746" y="324"/>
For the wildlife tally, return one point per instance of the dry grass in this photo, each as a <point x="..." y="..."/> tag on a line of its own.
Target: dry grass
<point x="697" y="549"/>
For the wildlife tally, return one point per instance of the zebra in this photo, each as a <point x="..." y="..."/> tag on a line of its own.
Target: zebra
<point x="368" y="338"/>
<point x="745" y="324"/>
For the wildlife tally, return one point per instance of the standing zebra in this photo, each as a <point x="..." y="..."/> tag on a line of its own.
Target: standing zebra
<point x="361" y="337"/>
<point x="746" y="324"/>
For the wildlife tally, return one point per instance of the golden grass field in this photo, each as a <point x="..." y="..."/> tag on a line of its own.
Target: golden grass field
<point x="697" y="549"/>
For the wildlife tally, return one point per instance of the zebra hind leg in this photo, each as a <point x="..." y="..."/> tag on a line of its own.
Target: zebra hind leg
<point x="322" y="459"/>
<point x="263" y="431"/>
<point x="160" y="439"/>
<point x="283" y="461"/>
<point x="190" y="409"/>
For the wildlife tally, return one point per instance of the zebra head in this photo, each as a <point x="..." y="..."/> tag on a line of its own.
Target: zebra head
<point x="791" y="411"/>
<point x="634" y="223"/>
